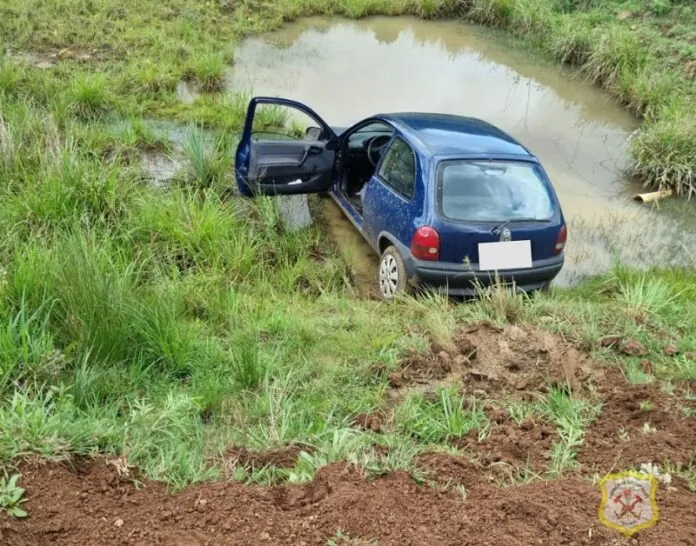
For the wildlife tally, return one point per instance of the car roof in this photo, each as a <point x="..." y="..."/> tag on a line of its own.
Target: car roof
<point x="447" y="134"/>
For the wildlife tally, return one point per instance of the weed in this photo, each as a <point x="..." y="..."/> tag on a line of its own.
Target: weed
<point x="521" y="411"/>
<point x="441" y="419"/>
<point x="89" y="96"/>
<point x="248" y="368"/>
<point x="500" y="302"/>
<point x="340" y="538"/>
<point x="11" y="496"/>
<point x="209" y="161"/>
<point x="572" y="416"/>
<point x="209" y="71"/>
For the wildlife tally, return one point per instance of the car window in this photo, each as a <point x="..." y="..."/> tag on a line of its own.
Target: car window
<point x="357" y="139"/>
<point x="493" y="191"/>
<point x="398" y="168"/>
<point x="281" y="122"/>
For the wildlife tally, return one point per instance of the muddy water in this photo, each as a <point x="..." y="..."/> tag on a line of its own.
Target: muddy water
<point x="348" y="70"/>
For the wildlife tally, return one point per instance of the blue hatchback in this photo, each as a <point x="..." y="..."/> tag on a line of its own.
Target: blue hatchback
<point x="447" y="202"/>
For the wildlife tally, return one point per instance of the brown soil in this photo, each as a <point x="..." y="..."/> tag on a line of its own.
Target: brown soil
<point x="362" y="261"/>
<point x="522" y="446"/>
<point x="280" y="458"/>
<point x="92" y="507"/>
<point x="516" y="361"/>
<point x="370" y="421"/>
<point x="640" y="424"/>
<point x="95" y="504"/>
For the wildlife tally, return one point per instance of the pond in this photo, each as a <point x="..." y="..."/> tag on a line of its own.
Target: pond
<point x="347" y="70"/>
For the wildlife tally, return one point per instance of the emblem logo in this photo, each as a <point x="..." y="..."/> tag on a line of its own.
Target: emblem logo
<point x="505" y="235"/>
<point x="628" y="502"/>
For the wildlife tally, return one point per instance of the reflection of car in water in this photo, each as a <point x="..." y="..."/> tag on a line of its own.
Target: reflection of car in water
<point x="444" y="200"/>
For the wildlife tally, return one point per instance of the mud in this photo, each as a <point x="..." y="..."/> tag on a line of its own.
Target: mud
<point x="362" y="260"/>
<point x="95" y="507"/>
<point x="347" y="70"/>
<point x="46" y="60"/>
<point x="515" y="361"/>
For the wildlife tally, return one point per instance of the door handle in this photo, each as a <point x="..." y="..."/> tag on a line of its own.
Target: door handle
<point x="314" y="150"/>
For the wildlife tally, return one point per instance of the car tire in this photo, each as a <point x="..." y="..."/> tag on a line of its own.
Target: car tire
<point x="392" y="280"/>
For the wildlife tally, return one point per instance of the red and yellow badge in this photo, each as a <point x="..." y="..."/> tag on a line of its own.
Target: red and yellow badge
<point x="628" y="502"/>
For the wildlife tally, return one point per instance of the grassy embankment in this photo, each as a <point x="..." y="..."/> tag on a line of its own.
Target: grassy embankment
<point x="165" y="325"/>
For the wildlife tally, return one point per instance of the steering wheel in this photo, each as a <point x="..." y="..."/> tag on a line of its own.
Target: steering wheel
<point x="374" y="148"/>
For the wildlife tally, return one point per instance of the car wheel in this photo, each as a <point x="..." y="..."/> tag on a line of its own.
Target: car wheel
<point x="392" y="274"/>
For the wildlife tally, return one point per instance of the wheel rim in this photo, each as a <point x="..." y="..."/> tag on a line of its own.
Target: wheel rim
<point x="388" y="276"/>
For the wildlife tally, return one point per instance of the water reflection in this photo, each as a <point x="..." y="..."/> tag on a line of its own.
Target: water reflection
<point x="350" y="70"/>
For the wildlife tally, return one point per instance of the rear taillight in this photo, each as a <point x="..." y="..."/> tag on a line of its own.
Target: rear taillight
<point x="561" y="239"/>
<point x="425" y="244"/>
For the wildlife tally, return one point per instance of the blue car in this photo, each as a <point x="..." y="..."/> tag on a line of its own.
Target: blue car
<point x="448" y="203"/>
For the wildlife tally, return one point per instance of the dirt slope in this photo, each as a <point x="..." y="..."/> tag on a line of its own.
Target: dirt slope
<point x="94" y="507"/>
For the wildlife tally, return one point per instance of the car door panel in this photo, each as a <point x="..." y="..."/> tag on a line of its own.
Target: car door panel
<point x="273" y="166"/>
<point x="277" y="166"/>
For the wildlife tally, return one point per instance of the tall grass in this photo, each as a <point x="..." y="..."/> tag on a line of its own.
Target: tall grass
<point x="631" y="59"/>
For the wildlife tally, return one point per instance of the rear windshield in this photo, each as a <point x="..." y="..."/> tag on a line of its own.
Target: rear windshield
<point x="493" y="191"/>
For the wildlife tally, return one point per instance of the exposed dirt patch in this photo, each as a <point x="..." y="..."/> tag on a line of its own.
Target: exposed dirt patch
<point x="363" y="262"/>
<point x="525" y="446"/>
<point x="523" y="359"/>
<point x="47" y="59"/>
<point x="513" y="361"/>
<point x="374" y="422"/>
<point x="280" y="458"/>
<point x="450" y="469"/>
<point x="89" y="508"/>
<point x="423" y="368"/>
<point x="640" y="424"/>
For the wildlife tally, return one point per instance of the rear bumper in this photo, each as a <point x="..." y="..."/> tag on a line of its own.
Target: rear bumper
<point x="461" y="280"/>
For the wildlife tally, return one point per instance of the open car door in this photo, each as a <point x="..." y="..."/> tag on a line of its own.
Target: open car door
<point x="273" y="159"/>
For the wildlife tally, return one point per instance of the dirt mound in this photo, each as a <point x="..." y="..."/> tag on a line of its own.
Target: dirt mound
<point x="522" y="359"/>
<point x="640" y="424"/>
<point x="449" y="469"/>
<point x="374" y="421"/>
<point x="280" y="458"/>
<point x="67" y="508"/>
<point x="487" y="360"/>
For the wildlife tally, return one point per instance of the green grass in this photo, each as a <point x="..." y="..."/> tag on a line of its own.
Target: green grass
<point x="163" y="325"/>
<point x="137" y="53"/>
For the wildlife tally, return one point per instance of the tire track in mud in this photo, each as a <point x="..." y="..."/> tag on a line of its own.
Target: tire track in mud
<point x="359" y="256"/>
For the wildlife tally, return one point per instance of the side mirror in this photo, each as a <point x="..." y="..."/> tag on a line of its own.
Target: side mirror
<point x="313" y="133"/>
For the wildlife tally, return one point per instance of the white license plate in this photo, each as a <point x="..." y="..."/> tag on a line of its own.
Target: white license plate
<point x="505" y="255"/>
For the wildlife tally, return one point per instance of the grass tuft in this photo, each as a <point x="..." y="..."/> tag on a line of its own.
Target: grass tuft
<point x="209" y="71"/>
<point x="89" y="96"/>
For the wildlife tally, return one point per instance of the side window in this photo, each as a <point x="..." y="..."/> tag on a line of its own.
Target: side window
<point x="280" y="122"/>
<point x="398" y="169"/>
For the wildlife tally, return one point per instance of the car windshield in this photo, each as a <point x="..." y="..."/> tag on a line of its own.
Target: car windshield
<point x="493" y="191"/>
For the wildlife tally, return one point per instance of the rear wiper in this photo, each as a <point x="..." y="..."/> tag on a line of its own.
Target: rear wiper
<point x="498" y="229"/>
<point x="506" y="223"/>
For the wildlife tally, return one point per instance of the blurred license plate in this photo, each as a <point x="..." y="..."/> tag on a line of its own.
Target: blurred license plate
<point x="505" y="255"/>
